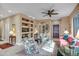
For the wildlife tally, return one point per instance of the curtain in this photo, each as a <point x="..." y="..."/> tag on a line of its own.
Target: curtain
<point x="75" y="24"/>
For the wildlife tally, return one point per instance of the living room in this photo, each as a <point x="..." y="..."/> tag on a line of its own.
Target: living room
<point x="26" y="25"/>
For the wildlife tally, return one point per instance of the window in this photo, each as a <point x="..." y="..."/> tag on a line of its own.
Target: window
<point x="75" y="24"/>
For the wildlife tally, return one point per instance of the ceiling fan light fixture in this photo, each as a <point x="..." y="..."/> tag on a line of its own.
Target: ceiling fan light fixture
<point x="49" y="13"/>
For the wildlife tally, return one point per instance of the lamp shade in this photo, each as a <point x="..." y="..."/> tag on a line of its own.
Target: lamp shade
<point x="77" y="36"/>
<point x="36" y="31"/>
<point x="11" y="32"/>
<point x="66" y="32"/>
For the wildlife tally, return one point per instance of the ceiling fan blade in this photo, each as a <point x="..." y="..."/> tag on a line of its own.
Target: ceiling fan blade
<point x="49" y="15"/>
<point x="54" y="13"/>
<point x="45" y="15"/>
<point x="44" y="12"/>
<point x="52" y="10"/>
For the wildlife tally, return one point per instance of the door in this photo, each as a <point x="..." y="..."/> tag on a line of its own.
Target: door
<point x="55" y="31"/>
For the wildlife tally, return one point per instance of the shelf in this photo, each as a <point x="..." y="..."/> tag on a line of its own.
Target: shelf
<point x="26" y="22"/>
<point x="23" y="19"/>
<point x="25" y="32"/>
<point x="25" y="26"/>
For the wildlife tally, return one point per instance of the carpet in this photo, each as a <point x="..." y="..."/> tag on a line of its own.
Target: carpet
<point x="5" y="45"/>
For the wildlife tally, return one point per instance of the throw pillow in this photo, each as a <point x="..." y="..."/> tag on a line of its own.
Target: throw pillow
<point x="70" y="39"/>
<point x="77" y="44"/>
<point x="65" y="36"/>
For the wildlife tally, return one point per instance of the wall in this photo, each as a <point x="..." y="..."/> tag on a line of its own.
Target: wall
<point x="65" y="24"/>
<point x="16" y="19"/>
<point x="0" y="29"/>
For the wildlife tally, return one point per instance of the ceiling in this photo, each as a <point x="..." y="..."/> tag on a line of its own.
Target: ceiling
<point x="34" y="9"/>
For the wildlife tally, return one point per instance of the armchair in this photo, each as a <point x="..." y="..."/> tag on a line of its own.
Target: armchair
<point x="31" y="47"/>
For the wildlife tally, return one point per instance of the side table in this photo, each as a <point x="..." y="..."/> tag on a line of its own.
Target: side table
<point x="12" y="39"/>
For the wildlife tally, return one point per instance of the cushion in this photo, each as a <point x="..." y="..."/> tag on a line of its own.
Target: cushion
<point x="77" y="44"/>
<point x="65" y="36"/>
<point x="61" y="37"/>
<point x="73" y="43"/>
<point x="70" y="39"/>
<point x="63" y="42"/>
<point x="76" y="50"/>
<point x="67" y="49"/>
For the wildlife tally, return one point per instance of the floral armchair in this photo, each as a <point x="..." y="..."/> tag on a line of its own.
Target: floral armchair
<point x="31" y="47"/>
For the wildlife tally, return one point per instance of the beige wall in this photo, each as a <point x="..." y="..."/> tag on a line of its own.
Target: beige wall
<point x="0" y="29"/>
<point x="65" y="24"/>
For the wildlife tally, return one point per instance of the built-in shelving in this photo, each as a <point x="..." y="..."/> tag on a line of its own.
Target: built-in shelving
<point x="27" y="27"/>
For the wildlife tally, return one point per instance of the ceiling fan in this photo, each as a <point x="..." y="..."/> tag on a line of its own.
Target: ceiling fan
<point x="49" y="13"/>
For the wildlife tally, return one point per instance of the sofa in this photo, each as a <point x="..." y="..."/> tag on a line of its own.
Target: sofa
<point x="69" y="45"/>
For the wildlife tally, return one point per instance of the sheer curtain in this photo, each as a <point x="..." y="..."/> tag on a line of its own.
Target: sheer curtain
<point x="75" y="24"/>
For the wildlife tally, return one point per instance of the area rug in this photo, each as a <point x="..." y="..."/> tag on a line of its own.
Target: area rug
<point x="5" y="45"/>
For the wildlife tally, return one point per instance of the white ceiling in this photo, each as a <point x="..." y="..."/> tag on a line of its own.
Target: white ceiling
<point x="34" y="10"/>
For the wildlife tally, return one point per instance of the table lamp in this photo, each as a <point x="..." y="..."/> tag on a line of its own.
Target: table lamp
<point x="11" y="32"/>
<point x="77" y="35"/>
<point x="36" y="31"/>
<point x="66" y="32"/>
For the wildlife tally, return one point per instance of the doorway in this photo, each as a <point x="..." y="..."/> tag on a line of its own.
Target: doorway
<point x="56" y="31"/>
